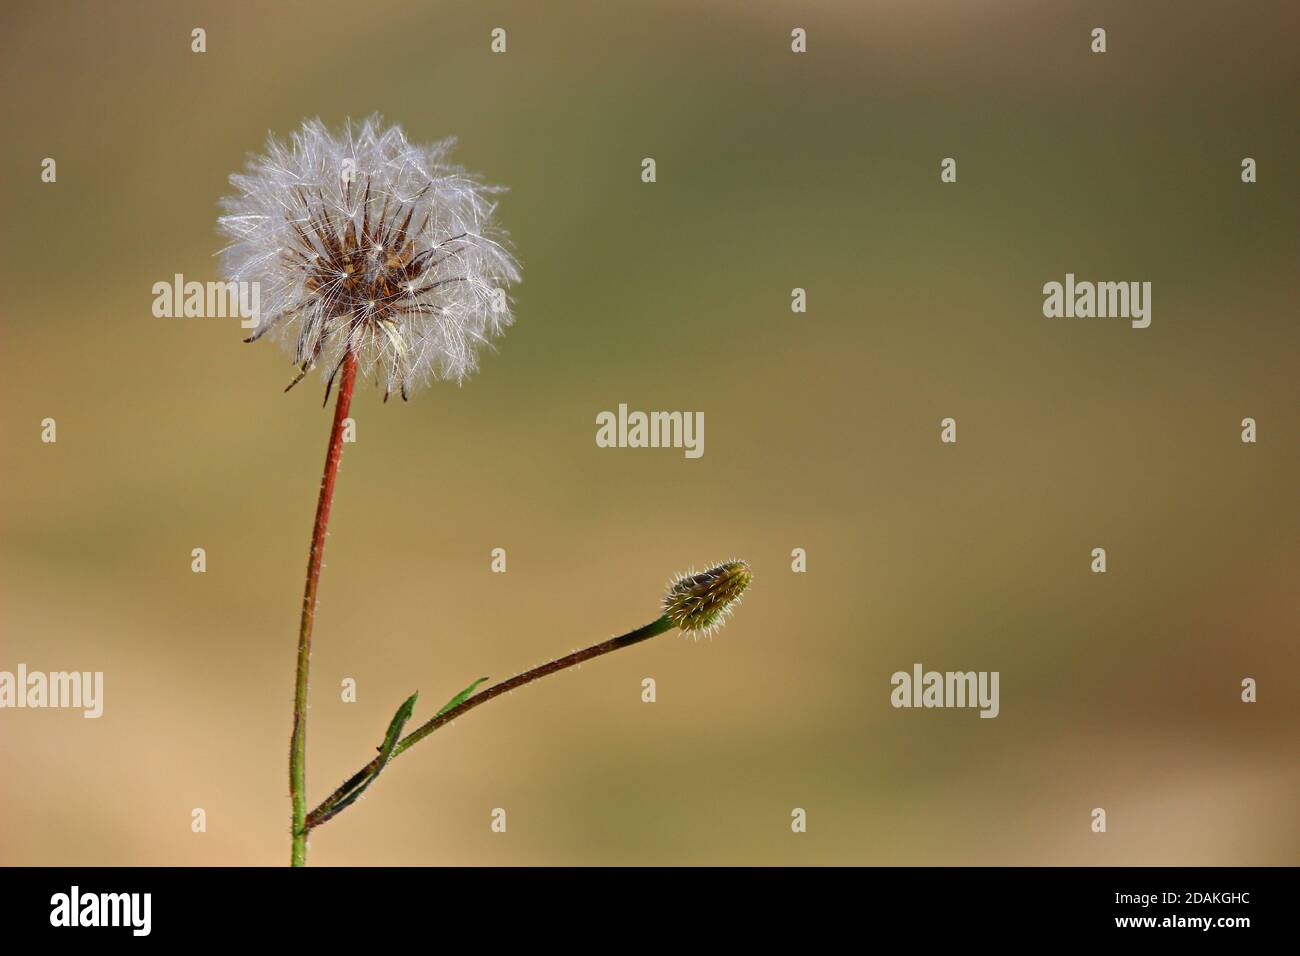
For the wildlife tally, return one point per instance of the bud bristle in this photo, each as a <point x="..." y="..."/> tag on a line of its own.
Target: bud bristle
<point x="701" y="602"/>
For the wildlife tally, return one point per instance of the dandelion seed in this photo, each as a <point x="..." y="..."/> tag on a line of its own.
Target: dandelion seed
<point x="365" y="244"/>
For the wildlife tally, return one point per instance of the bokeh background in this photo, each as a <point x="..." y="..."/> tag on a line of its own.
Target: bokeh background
<point x="822" y="431"/>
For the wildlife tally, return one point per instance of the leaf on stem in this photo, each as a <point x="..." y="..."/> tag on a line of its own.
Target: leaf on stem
<point x="460" y="698"/>
<point x="360" y="783"/>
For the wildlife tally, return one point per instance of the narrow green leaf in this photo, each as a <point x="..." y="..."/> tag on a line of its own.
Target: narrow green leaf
<point x="395" y="726"/>
<point x="362" y="781"/>
<point x="461" y="697"/>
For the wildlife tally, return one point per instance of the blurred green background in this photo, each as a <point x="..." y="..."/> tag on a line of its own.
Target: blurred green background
<point x="775" y="171"/>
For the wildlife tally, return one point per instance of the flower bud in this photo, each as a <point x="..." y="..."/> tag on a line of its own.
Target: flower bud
<point x="701" y="602"/>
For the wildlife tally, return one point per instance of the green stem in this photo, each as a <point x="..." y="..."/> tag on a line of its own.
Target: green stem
<point x="331" y="805"/>
<point x="298" y="742"/>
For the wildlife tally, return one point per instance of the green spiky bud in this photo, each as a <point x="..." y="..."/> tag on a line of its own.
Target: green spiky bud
<point x="700" y="603"/>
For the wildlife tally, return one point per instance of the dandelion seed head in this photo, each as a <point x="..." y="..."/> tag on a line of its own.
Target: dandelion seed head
<point x="700" y="602"/>
<point x="362" y="242"/>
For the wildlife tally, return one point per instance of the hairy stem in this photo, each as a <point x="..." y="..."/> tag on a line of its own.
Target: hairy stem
<point x="331" y="805"/>
<point x="298" y="742"/>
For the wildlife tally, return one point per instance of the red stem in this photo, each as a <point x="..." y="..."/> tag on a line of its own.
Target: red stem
<point x="298" y="742"/>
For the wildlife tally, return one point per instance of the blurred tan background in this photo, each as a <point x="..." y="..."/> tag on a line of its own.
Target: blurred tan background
<point x="775" y="171"/>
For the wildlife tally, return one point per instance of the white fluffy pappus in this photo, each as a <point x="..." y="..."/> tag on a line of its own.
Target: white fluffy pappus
<point x="362" y="242"/>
